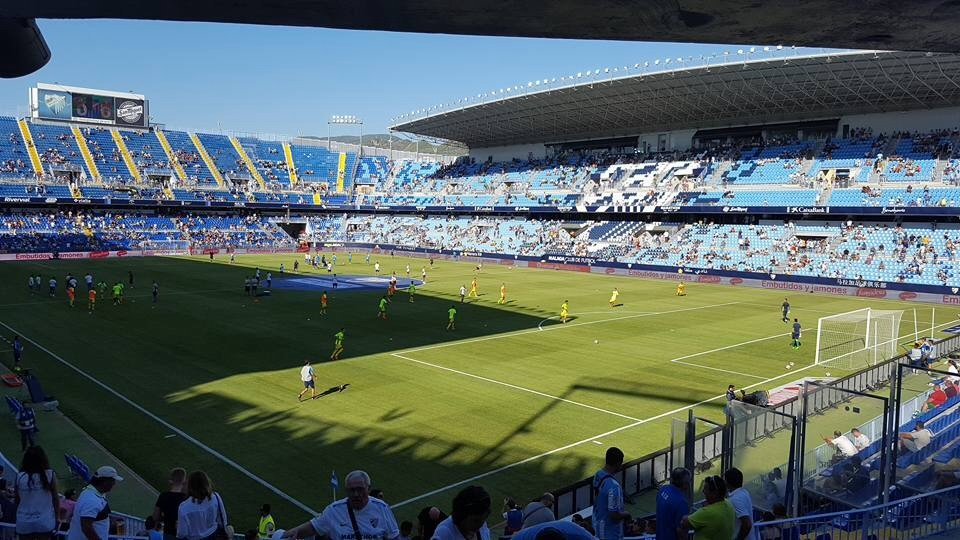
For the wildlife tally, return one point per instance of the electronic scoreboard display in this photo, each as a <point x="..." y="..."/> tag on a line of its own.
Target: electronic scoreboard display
<point x="56" y="102"/>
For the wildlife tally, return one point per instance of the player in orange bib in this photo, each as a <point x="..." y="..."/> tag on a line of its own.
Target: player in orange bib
<point x="72" y="295"/>
<point x="323" y="303"/>
<point x="91" y="299"/>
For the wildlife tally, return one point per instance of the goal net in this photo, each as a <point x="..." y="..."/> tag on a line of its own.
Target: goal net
<point x="858" y="339"/>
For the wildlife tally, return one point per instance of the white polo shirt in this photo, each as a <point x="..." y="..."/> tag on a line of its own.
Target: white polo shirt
<point x="91" y="505"/>
<point x="844" y="445"/>
<point x="743" y="506"/>
<point x="375" y="521"/>
<point x="306" y="373"/>
<point x="861" y="442"/>
<point x="446" y="530"/>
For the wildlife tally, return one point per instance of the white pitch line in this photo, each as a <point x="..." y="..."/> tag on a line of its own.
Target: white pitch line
<point x="680" y="360"/>
<point x="559" y="326"/>
<point x="166" y="424"/>
<point x="583" y="441"/>
<point x="515" y="387"/>
<point x="730" y="371"/>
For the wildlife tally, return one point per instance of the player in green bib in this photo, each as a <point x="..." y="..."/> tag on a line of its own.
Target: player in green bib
<point x="382" y="314"/>
<point x="412" y="290"/>
<point x="452" y="313"/>
<point x="337" y="345"/>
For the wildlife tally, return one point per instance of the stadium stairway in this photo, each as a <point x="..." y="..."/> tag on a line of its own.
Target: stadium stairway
<point x="214" y="170"/>
<point x="291" y="166"/>
<point x="341" y="172"/>
<point x="87" y="156"/>
<point x="125" y="154"/>
<point x="248" y="162"/>
<point x="171" y="156"/>
<point x="31" y="147"/>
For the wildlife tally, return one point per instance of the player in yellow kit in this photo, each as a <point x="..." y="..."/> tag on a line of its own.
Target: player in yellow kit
<point x="473" y="289"/>
<point x="565" y="311"/>
<point x="681" y="289"/>
<point x="503" y="294"/>
<point x="613" y="297"/>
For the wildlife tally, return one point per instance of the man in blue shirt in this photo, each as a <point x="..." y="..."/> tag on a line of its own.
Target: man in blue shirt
<point x="608" y="512"/>
<point x="672" y="504"/>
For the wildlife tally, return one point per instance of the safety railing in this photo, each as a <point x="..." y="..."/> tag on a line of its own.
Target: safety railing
<point x="652" y="470"/>
<point x="920" y="516"/>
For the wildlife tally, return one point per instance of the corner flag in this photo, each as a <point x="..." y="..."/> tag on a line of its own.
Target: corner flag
<point x="335" y="483"/>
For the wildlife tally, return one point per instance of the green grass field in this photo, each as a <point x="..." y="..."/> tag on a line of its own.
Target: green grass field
<point x="512" y="399"/>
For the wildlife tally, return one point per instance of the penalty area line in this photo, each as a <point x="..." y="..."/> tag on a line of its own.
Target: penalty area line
<point x="515" y="387"/>
<point x="559" y="326"/>
<point x="580" y="442"/>
<point x="165" y="423"/>
<point x="680" y="359"/>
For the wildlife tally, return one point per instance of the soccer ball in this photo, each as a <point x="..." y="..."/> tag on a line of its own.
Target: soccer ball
<point x="828" y="374"/>
<point x="596" y="342"/>
<point x="786" y="366"/>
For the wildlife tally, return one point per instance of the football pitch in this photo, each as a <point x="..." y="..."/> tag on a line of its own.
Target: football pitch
<point x="512" y="399"/>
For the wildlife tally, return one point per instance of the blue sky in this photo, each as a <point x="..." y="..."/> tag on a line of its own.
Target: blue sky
<point x="291" y="80"/>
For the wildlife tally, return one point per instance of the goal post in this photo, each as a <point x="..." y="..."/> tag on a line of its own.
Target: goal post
<point x="858" y="339"/>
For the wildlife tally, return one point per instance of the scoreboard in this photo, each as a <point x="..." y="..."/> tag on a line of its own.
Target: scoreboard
<point x="57" y="102"/>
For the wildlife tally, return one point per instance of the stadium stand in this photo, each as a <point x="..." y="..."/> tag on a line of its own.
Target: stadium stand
<point x="14" y="162"/>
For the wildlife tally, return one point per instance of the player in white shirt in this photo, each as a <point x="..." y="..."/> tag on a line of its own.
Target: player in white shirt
<point x="359" y="514"/>
<point x="309" y="381"/>
<point x="842" y="444"/>
<point x="408" y="271"/>
<point x="468" y="519"/>
<point x="376" y="267"/>
<point x="423" y="275"/>
<point x="463" y="293"/>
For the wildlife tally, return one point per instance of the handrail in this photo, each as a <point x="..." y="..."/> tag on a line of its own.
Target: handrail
<point x="655" y="465"/>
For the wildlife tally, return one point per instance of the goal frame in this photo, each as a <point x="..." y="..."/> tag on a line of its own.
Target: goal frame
<point x="868" y="318"/>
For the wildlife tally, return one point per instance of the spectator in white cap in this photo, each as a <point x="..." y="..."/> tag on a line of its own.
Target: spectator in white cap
<point x="357" y="517"/>
<point x="91" y="516"/>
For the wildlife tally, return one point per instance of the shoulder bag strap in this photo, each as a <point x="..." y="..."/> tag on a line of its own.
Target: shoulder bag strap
<point x="353" y="521"/>
<point x="221" y="511"/>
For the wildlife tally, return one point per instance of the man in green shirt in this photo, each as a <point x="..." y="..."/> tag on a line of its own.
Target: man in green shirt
<point x="716" y="519"/>
<point x="382" y="314"/>
<point x="412" y="290"/>
<point x="117" y="293"/>
<point x="452" y="313"/>
<point x="337" y="345"/>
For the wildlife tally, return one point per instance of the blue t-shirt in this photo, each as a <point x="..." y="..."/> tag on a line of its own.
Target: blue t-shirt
<point x="671" y="507"/>
<point x="608" y="503"/>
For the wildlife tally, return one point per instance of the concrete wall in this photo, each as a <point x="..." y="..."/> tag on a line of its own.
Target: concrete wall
<point x="506" y="153"/>
<point x="923" y="120"/>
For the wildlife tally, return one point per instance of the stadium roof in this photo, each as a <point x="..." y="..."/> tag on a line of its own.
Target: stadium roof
<point x="926" y="25"/>
<point x="770" y="89"/>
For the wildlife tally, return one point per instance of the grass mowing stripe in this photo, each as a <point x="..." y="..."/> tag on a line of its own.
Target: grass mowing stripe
<point x="166" y="424"/>
<point x="680" y="359"/>
<point x="557" y="327"/>
<point x="515" y="387"/>
<point x="730" y="371"/>
<point x="580" y="442"/>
